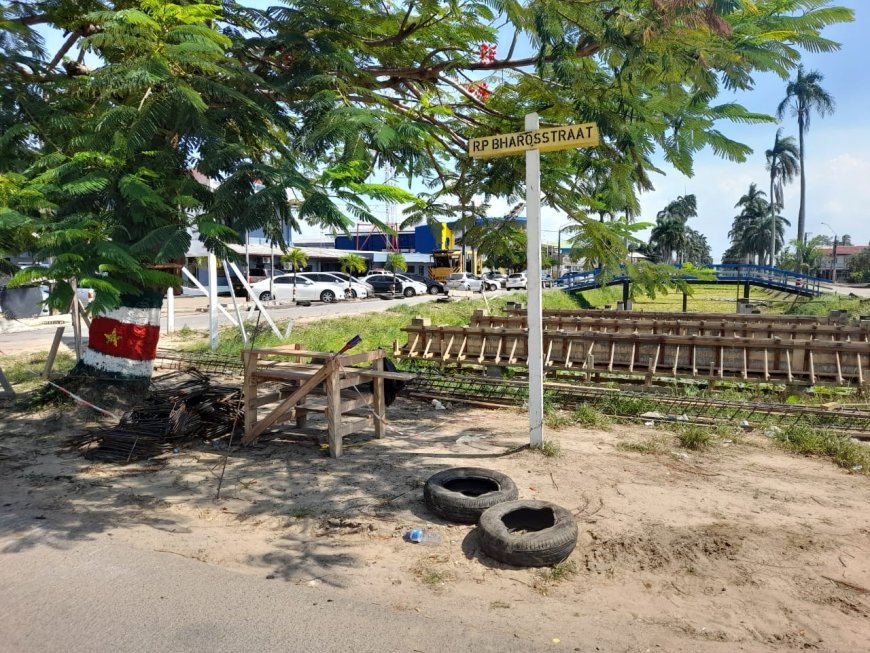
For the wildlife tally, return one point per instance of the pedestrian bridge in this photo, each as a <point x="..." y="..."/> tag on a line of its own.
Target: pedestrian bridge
<point x="761" y="276"/>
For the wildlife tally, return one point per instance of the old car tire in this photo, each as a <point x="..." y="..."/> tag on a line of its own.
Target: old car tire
<point x="327" y="296"/>
<point x="266" y="296"/>
<point x="461" y="494"/>
<point x="409" y="292"/>
<point x="527" y="533"/>
<point x="433" y="290"/>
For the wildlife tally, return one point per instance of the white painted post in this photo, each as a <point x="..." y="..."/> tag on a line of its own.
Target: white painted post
<point x="170" y="310"/>
<point x="235" y="305"/>
<point x="213" y="302"/>
<point x="533" y="268"/>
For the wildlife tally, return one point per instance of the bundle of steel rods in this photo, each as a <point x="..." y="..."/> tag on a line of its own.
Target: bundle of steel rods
<point x="180" y="407"/>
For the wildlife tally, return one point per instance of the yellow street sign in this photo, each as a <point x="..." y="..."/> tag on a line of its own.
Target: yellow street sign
<point x="544" y="140"/>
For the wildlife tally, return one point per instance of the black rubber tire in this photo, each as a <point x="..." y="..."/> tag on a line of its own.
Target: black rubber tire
<point x="461" y="494"/>
<point x="327" y="296"/>
<point x="266" y="296"/>
<point x="409" y="292"/>
<point x="552" y="542"/>
<point x="434" y="290"/>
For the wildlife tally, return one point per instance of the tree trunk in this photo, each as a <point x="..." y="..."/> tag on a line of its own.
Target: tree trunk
<point x="122" y="344"/>
<point x="772" y="221"/>
<point x="802" y="213"/>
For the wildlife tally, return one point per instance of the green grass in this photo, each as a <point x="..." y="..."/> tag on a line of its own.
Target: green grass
<point x="712" y="298"/>
<point x="378" y="330"/>
<point x="548" y="449"/>
<point x="558" y="573"/>
<point x="589" y="416"/>
<point x="27" y="369"/>
<point x="827" y="303"/>
<point x="622" y="406"/>
<point x="810" y="441"/>
<point x="694" y="437"/>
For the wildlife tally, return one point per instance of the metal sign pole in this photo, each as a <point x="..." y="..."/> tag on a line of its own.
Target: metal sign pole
<point x="533" y="274"/>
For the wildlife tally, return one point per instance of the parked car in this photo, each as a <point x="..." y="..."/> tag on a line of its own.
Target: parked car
<point x="344" y="276"/>
<point x="355" y="290"/>
<point x="547" y="280"/>
<point x="433" y="287"/>
<point x="518" y="280"/>
<point x="281" y="287"/>
<point x="498" y="277"/>
<point x="395" y="285"/>
<point x="468" y="281"/>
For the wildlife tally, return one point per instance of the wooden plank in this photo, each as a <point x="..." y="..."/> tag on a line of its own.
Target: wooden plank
<point x="52" y="353"/>
<point x="379" y="406"/>
<point x="333" y="410"/>
<point x="351" y="425"/>
<point x="325" y="372"/>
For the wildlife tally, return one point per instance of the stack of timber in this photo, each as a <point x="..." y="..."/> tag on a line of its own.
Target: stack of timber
<point x="685" y="325"/>
<point x="796" y="356"/>
<point x="834" y="317"/>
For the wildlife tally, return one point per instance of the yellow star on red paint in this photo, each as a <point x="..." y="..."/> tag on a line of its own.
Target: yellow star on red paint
<point x="113" y="338"/>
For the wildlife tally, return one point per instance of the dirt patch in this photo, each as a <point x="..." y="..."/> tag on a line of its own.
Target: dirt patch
<point x="664" y="547"/>
<point x="738" y="547"/>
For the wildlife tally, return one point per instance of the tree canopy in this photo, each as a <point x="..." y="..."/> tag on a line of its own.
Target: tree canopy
<point x="156" y="118"/>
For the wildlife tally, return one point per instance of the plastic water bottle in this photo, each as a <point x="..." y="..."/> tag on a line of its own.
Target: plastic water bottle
<point x="419" y="536"/>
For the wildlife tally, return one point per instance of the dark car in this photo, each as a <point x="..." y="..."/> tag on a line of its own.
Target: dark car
<point x="389" y="284"/>
<point x="432" y="287"/>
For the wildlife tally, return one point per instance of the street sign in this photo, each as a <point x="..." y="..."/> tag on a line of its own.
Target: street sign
<point x="543" y="140"/>
<point x="533" y="141"/>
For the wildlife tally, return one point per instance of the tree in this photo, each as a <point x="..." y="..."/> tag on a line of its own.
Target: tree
<point x="352" y="264"/>
<point x="313" y="98"/>
<point x="501" y="241"/>
<point x="670" y="235"/>
<point x="782" y="164"/>
<point x="297" y="260"/>
<point x="751" y="229"/>
<point x="859" y="266"/>
<point x="396" y="262"/>
<point x="805" y="95"/>
<point x="804" y="258"/>
<point x="846" y="240"/>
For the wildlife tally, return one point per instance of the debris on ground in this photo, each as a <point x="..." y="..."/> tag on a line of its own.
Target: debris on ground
<point x="180" y="407"/>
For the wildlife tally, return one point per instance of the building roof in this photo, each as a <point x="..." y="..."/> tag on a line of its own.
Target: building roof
<point x="197" y="249"/>
<point x="844" y="249"/>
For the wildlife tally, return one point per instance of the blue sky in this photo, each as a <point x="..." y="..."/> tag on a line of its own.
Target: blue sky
<point x="837" y="159"/>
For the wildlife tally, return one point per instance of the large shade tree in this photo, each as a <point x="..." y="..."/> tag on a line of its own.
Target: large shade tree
<point x="804" y="96"/>
<point x="313" y="98"/>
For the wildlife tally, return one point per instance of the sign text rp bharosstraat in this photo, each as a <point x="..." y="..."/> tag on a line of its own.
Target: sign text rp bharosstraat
<point x="545" y="140"/>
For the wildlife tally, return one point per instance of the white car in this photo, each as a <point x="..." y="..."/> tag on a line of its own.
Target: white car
<point x="281" y="287"/>
<point x="468" y="281"/>
<point x="357" y="289"/>
<point x="517" y="280"/>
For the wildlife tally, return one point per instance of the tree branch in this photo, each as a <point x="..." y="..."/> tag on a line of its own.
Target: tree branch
<point x="67" y="45"/>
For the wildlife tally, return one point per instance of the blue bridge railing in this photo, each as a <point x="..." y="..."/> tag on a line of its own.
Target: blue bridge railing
<point x="725" y="273"/>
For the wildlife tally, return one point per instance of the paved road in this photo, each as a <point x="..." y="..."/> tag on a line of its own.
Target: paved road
<point x="98" y="595"/>
<point x="36" y="335"/>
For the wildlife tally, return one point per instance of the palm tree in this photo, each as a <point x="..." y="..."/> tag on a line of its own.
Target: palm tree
<point x="352" y="264"/>
<point x="297" y="260"/>
<point x="670" y="237"/>
<point x="396" y="262"/>
<point x="782" y="163"/>
<point x="805" y="95"/>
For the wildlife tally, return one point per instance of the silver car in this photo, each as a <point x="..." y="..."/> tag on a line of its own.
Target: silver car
<point x="468" y="281"/>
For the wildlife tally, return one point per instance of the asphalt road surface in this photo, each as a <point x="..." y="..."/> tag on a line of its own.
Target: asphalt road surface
<point x="36" y="335"/>
<point x="98" y="596"/>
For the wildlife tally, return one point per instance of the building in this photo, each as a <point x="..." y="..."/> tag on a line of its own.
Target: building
<point x="828" y="265"/>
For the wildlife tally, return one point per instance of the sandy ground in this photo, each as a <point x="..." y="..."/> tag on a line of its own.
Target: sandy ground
<point x="742" y="547"/>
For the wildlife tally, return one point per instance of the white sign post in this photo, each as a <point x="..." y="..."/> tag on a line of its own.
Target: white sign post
<point x="534" y="141"/>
